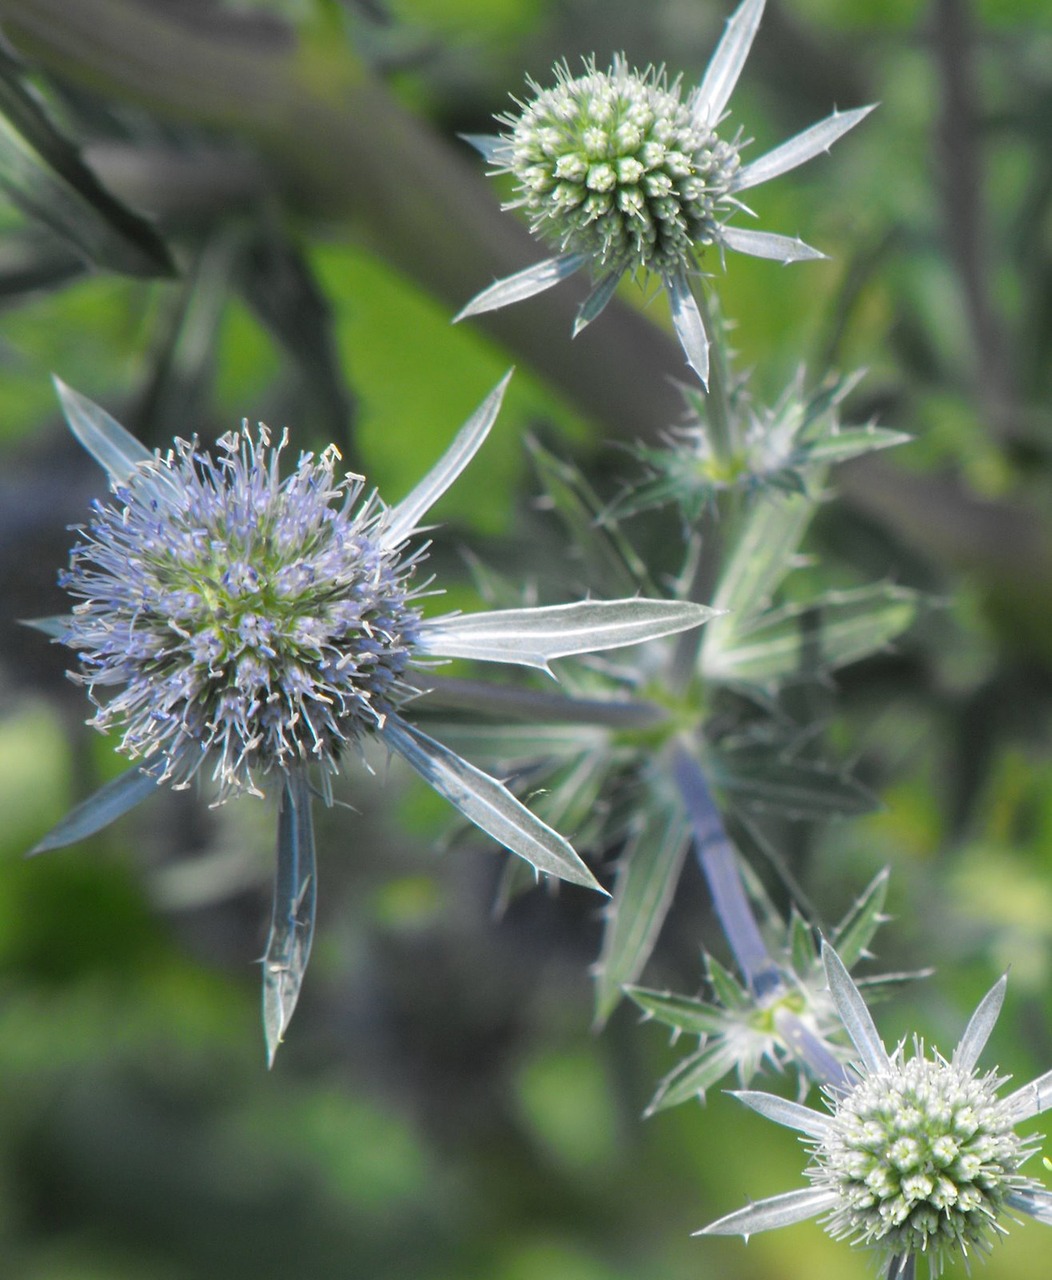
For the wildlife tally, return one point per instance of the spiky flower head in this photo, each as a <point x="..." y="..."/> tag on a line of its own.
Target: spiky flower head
<point x="623" y="171"/>
<point x="233" y="617"/>
<point x="918" y="1156"/>
<point x="616" y="165"/>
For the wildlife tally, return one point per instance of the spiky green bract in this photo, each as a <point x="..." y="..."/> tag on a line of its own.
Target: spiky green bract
<point x="743" y="1030"/>
<point x="787" y="446"/>
<point x="622" y="171"/>
<point x="917" y="1156"/>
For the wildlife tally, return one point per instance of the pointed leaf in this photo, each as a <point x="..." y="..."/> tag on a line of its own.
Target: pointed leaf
<point x="814" y="636"/>
<point x="691" y="1017"/>
<point x="767" y="244"/>
<point x="534" y="637"/>
<point x="727" y="61"/>
<point x="404" y="518"/>
<point x="490" y="146"/>
<point x="292" y="919"/>
<point x="55" y="626"/>
<point x="980" y="1024"/>
<point x="695" y="1076"/>
<point x="801" y="788"/>
<point x="782" y="1111"/>
<point x="1030" y="1100"/>
<point x="487" y="803"/>
<point x="524" y="284"/>
<point x="851" y="442"/>
<point x="43" y="174"/>
<point x="597" y="301"/>
<point x="852" y="936"/>
<point x="108" y="804"/>
<point x="799" y="149"/>
<point x="689" y="326"/>
<point x="1035" y="1201"/>
<point x="776" y="1211"/>
<point x="648" y="871"/>
<point x="726" y="988"/>
<point x="802" y="950"/>
<point x="857" y="1020"/>
<point x="112" y="447"/>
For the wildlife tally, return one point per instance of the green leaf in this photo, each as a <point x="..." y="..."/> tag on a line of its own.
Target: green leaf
<point x="725" y="986"/>
<point x="800" y="788"/>
<point x="854" y="933"/>
<point x="609" y="564"/>
<point x="647" y="874"/>
<point x="762" y="555"/>
<point x="43" y="174"/>
<point x="692" y="1017"/>
<point x="292" y="919"/>
<point x="852" y="442"/>
<point x="802" y="950"/>
<point x="810" y="638"/>
<point x="694" y="1076"/>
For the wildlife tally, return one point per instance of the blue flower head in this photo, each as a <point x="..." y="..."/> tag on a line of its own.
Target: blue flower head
<point x="253" y="628"/>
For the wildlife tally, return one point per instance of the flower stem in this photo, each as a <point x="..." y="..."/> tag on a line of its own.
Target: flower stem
<point x="720" y="419"/>
<point x="719" y="865"/>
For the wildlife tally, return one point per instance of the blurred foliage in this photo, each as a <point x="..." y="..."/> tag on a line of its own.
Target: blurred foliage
<point x="441" y="1110"/>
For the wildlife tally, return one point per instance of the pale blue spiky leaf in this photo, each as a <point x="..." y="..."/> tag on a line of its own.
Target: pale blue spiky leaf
<point x="597" y="301"/>
<point x="776" y="1211"/>
<point x="534" y="637"/>
<point x="782" y="1111"/>
<point x="858" y="1021"/>
<point x="688" y="323"/>
<point x="490" y="146"/>
<point x="799" y="149"/>
<point x="980" y="1025"/>
<point x="648" y="871"/>
<point x="292" y="920"/>
<point x="55" y="626"/>
<point x="726" y="63"/>
<point x="812" y="637"/>
<point x="1030" y="1100"/>
<point x="404" y="517"/>
<point x="487" y="803"/>
<point x="768" y="244"/>
<point x="524" y="284"/>
<point x="1036" y="1202"/>
<point x="108" y="804"/>
<point x="112" y="447"/>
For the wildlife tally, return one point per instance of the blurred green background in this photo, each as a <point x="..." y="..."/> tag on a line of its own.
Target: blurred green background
<point x="442" y="1109"/>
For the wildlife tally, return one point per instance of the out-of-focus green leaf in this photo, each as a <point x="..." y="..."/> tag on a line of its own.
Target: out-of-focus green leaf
<point x="852" y="442"/>
<point x="762" y="556"/>
<point x="33" y="259"/>
<point x="692" y="1017"/>
<point x="694" y="1076"/>
<point x="811" y="637"/>
<point x="647" y="874"/>
<point x="854" y="933"/>
<point x="609" y="564"/>
<point x="43" y="174"/>
<point x="799" y="788"/>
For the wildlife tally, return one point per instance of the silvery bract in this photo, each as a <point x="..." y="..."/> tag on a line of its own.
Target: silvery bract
<point x="624" y="173"/>
<point x="256" y="628"/>
<point x="917" y="1157"/>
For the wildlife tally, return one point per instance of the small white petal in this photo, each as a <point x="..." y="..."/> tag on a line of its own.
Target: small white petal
<point x="689" y="326"/>
<point x="533" y="637"/>
<point x="726" y="63"/>
<point x="766" y="244"/>
<point x="799" y="149"/>
<point x="782" y="1111"/>
<point x="404" y="518"/>
<point x="776" y="1211"/>
<point x="857" y="1020"/>
<point x="523" y="285"/>
<point x="1030" y="1100"/>
<point x="981" y="1023"/>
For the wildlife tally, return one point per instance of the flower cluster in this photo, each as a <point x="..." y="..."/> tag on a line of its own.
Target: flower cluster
<point x="622" y="172"/>
<point x="248" y="621"/>
<point x="917" y="1156"/>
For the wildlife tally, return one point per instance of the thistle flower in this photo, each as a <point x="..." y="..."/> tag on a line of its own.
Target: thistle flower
<point x="622" y="173"/>
<point x="918" y="1156"/>
<point x="258" y="628"/>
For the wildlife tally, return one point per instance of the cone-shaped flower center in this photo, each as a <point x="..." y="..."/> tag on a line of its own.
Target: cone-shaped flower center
<point x="613" y="164"/>
<point x="922" y="1157"/>
<point x="244" y="620"/>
